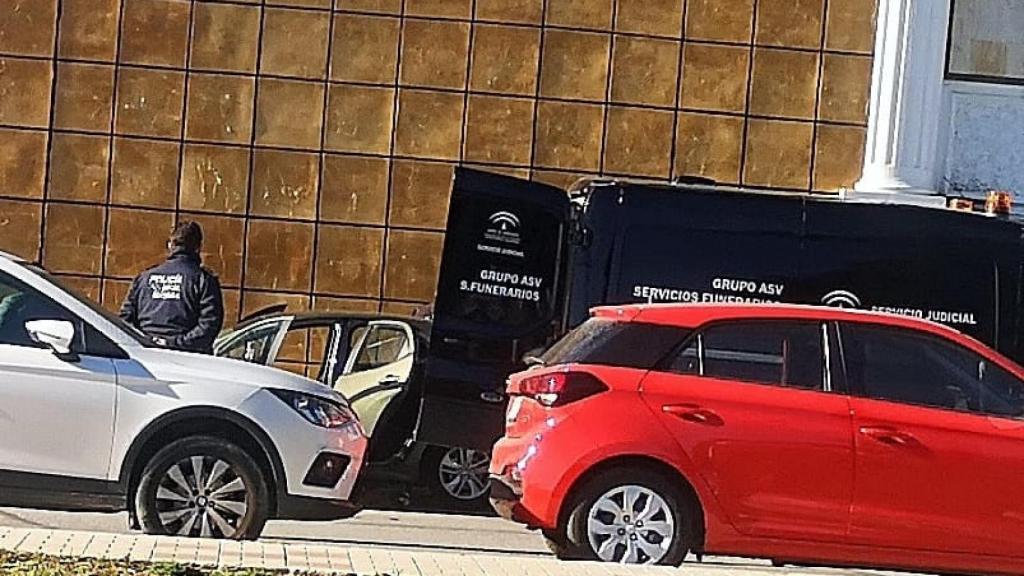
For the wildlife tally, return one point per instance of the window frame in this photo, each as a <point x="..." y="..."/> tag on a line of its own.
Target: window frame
<point x="408" y="347"/>
<point x="858" y="392"/>
<point x="236" y="337"/>
<point x="305" y="328"/>
<point x="948" y="73"/>
<point x="822" y="326"/>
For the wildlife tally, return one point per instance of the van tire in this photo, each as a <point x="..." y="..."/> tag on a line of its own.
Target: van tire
<point x="230" y="498"/>
<point x="442" y="462"/>
<point x="685" y="517"/>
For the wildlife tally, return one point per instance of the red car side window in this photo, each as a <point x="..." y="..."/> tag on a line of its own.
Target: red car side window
<point x="777" y="353"/>
<point x="902" y="366"/>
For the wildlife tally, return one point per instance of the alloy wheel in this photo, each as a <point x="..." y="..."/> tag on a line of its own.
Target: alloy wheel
<point x="202" y="496"/>
<point x="463" y="473"/>
<point x="630" y="525"/>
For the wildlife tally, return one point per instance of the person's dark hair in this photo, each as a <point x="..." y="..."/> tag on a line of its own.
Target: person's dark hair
<point x="187" y="235"/>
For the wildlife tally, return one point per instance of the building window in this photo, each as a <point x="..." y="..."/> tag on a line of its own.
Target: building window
<point x="985" y="41"/>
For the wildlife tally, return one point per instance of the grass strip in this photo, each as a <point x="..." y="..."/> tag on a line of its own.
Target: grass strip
<point x="15" y="564"/>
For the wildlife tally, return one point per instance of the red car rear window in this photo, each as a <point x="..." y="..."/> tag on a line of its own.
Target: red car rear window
<point x="608" y="343"/>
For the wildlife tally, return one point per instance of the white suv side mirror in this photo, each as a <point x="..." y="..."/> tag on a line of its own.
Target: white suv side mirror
<point x="55" y="334"/>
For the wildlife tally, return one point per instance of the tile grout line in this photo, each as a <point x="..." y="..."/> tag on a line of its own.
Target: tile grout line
<point x="741" y="177"/>
<point x="537" y="88"/>
<point x="818" y="99"/>
<point x="677" y="102"/>
<point x="606" y="106"/>
<point x="548" y="99"/>
<point x="184" y="109"/>
<point x="114" y="112"/>
<point x="463" y="136"/>
<point x="413" y="17"/>
<point x="321" y="172"/>
<point x="250" y="185"/>
<point x="13" y="545"/>
<point x="48" y="161"/>
<point x="396" y="105"/>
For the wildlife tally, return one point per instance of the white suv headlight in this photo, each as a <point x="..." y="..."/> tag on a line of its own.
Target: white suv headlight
<point x="318" y="411"/>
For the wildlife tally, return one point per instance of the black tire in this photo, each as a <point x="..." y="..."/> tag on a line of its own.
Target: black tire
<point x="572" y="542"/>
<point x="432" y="479"/>
<point x="218" y="508"/>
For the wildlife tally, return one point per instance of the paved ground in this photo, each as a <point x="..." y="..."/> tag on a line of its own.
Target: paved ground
<point x="395" y="543"/>
<point x="436" y="532"/>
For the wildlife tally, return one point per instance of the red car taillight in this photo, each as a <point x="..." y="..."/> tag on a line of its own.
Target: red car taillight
<point x="558" y="388"/>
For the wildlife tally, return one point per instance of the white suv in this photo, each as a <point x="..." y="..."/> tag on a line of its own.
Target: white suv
<point x="94" y="417"/>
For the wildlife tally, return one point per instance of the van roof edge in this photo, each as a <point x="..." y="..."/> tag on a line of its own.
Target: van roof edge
<point x="846" y="196"/>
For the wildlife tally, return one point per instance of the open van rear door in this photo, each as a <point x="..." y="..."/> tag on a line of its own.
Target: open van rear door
<point x="499" y="297"/>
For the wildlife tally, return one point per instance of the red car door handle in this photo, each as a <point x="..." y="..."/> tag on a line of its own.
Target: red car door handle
<point x="887" y="435"/>
<point x="690" y="413"/>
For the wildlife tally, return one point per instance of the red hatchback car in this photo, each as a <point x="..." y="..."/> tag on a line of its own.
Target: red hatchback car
<point x="808" y="435"/>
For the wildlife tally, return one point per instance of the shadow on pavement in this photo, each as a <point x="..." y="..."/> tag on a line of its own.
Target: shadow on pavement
<point x="420" y="500"/>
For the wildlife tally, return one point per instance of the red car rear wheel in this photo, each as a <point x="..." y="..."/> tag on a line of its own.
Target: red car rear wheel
<point x="628" y="516"/>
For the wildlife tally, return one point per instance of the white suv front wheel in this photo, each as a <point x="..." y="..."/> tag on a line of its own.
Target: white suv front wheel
<point x="203" y="487"/>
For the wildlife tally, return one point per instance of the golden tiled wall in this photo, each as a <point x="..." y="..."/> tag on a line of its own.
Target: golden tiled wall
<point x="315" y="142"/>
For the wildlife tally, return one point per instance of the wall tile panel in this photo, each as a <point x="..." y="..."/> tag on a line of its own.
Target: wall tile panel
<point x="315" y="140"/>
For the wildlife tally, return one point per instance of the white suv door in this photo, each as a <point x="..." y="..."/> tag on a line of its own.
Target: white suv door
<point x="56" y="411"/>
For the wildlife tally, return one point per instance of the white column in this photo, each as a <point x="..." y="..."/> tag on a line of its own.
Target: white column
<point x="905" y="113"/>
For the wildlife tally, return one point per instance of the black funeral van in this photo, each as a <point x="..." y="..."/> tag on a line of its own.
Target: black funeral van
<point x="524" y="262"/>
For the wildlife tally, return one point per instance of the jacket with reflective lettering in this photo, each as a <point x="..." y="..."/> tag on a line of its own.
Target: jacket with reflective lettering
<point x="179" y="301"/>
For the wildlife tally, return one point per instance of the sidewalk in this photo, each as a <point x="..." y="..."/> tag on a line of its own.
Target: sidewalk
<point x="328" y="559"/>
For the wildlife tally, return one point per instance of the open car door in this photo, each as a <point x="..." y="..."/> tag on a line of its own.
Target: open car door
<point x="500" y="293"/>
<point x="372" y="362"/>
<point x="377" y="369"/>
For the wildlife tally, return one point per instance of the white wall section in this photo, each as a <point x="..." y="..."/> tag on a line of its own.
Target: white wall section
<point x="986" y="139"/>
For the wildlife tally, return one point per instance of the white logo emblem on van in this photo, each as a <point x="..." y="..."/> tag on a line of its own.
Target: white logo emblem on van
<point x="841" y="299"/>
<point x="505" y="220"/>
<point x="503" y="227"/>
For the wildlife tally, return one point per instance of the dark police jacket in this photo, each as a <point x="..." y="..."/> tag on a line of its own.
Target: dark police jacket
<point x="179" y="301"/>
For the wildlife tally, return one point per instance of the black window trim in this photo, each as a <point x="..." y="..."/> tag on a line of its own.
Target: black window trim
<point x="665" y="364"/>
<point x="858" y="393"/>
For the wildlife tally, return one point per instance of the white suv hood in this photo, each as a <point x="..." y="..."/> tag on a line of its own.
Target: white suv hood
<point x="175" y="366"/>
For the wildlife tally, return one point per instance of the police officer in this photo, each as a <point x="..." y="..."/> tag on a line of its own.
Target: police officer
<point x="178" y="303"/>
